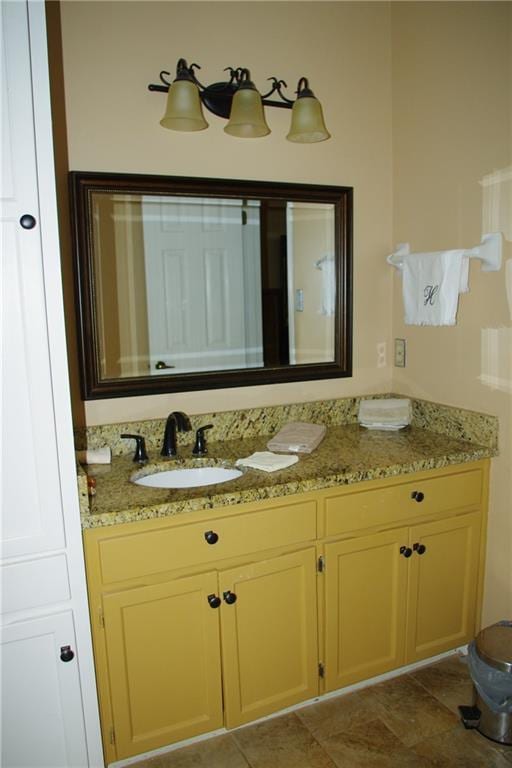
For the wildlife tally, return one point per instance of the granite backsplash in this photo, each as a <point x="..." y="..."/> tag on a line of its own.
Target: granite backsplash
<point x="472" y="426"/>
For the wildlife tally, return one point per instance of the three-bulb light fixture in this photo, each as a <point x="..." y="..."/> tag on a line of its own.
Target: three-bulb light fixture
<point x="240" y="101"/>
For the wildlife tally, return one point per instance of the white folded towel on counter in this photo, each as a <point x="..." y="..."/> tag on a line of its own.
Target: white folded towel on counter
<point x="431" y="286"/>
<point x="95" y="456"/>
<point x="267" y="461"/>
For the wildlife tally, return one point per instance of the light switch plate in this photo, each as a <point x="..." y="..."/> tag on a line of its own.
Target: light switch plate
<point x="400" y="353"/>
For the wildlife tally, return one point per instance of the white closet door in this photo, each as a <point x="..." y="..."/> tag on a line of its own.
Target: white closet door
<point x="49" y="713"/>
<point x="42" y="720"/>
<point x="31" y="500"/>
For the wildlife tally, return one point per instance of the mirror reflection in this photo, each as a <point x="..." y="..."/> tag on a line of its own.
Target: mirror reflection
<point x="202" y="283"/>
<point x="184" y="285"/>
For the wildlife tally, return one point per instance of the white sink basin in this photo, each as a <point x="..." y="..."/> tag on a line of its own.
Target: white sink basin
<point x="192" y="477"/>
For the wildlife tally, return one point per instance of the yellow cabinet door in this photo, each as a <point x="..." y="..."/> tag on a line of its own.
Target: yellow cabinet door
<point x="164" y="663"/>
<point x="442" y="585"/>
<point x="269" y="635"/>
<point x="365" y="602"/>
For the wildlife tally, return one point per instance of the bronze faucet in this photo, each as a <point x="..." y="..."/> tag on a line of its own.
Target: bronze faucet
<point x="176" y="421"/>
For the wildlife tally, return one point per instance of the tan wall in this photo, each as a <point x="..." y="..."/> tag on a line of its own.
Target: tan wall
<point x="112" y="50"/>
<point x="107" y="302"/>
<point x="312" y="241"/>
<point x="452" y="169"/>
<point x="452" y="150"/>
<point x="56" y="69"/>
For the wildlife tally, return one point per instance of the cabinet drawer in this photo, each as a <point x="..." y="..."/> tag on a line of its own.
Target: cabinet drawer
<point x="168" y="548"/>
<point x="364" y="509"/>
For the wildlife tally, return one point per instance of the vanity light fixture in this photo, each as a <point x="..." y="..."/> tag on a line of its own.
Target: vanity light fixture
<point x="240" y="101"/>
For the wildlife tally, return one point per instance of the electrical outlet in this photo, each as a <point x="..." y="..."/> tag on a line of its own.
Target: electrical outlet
<point x="400" y="353"/>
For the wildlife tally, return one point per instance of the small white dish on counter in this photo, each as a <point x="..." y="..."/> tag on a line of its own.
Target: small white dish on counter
<point x="390" y="413"/>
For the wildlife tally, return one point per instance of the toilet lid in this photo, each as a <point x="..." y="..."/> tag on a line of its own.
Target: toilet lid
<point x="494" y="645"/>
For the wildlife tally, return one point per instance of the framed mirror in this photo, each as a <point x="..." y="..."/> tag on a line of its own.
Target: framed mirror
<point x="189" y="283"/>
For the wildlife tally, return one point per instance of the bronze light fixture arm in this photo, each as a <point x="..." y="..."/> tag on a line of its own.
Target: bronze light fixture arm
<point x="211" y="95"/>
<point x="161" y="88"/>
<point x="277" y="86"/>
<point x="183" y="72"/>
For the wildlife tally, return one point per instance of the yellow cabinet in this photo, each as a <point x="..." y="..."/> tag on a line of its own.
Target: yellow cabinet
<point x="442" y="585"/>
<point x="163" y="662"/>
<point x="204" y="621"/>
<point x="398" y="596"/>
<point x="269" y="635"/>
<point x="219" y="617"/>
<point x="164" y="650"/>
<point x="365" y="606"/>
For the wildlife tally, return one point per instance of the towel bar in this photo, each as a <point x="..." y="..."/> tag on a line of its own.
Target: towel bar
<point x="489" y="252"/>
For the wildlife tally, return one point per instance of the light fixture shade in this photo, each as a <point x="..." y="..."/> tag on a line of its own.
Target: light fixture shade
<point x="184" y="111"/>
<point x="307" y="124"/>
<point x="247" y="118"/>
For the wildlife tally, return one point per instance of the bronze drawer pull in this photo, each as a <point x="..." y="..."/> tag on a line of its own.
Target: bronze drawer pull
<point x="214" y="601"/>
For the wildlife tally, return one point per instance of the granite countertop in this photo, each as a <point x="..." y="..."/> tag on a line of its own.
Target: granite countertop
<point x="348" y="454"/>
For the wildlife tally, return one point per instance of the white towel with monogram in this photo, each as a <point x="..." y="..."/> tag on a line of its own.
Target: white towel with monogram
<point x="431" y="286"/>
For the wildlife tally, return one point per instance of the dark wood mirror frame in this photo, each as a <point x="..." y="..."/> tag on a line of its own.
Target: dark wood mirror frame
<point x="84" y="184"/>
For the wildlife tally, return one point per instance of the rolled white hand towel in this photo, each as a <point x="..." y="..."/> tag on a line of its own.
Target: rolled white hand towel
<point x="95" y="456"/>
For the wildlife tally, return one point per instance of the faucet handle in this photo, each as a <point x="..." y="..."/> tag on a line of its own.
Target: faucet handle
<point x="200" y="448"/>
<point x="140" y="454"/>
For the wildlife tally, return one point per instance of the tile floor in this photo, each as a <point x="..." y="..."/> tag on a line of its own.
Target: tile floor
<point x="411" y="720"/>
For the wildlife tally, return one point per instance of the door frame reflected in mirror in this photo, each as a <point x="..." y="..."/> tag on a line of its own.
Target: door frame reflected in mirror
<point x="95" y="385"/>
